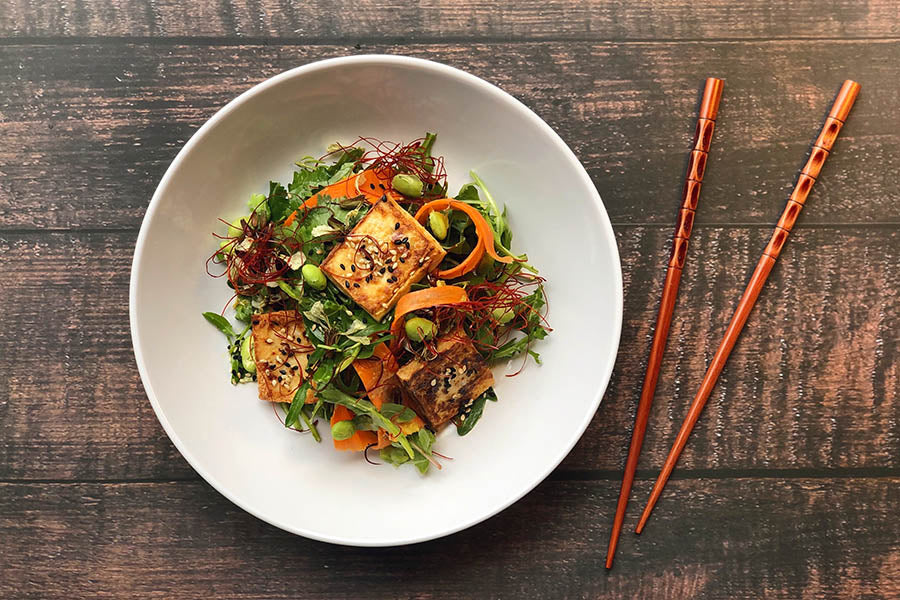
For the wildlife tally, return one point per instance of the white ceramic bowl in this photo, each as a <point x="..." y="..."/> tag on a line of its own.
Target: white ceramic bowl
<point x="234" y="441"/>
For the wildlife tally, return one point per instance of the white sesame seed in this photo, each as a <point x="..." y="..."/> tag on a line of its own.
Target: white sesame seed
<point x="433" y="382"/>
<point x="269" y="340"/>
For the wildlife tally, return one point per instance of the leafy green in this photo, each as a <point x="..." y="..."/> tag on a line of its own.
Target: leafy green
<point x="469" y="416"/>
<point x="496" y="218"/>
<point x="243" y="310"/>
<point x="422" y="443"/>
<point x="533" y="330"/>
<point x="359" y="406"/>
<point x="297" y="404"/>
<point x="220" y="323"/>
<point x="293" y="292"/>
<point x="394" y="456"/>
<point x="403" y="413"/>
<point x="277" y="201"/>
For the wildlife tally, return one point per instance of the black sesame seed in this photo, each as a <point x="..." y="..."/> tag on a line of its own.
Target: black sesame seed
<point x="283" y="372"/>
<point x="381" y="185"/>
<point x="402" y="259"/>
<point x="347" y="284"/>
<point x="275" y="323"/>
<point x="398" y="242"/>
<point x="372" y="186"/>
<point x="256" y="321"/>
<point x="404" y="240"/>
<point x="342" y="266"/>
<point x="390" y="269"/>
<point x="384" y="196"/>
<point x="381" y="270"/>
<point x="356" y="285"/>
<point x="396" y="225"/>
<point x="299" y="340"/>
<point x="406" y="243"/>
<point x="353" y="268"/>
<point x="368" y="278"/>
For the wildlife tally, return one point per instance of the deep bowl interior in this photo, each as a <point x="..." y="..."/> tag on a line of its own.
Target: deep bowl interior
<point x="235" y="441"/>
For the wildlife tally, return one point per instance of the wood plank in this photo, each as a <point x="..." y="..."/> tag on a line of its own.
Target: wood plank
<point x="93" y="127"/>
<point x="735" y="539"/>
<point x="813" y="384"/>
<point x="470" y="19"/>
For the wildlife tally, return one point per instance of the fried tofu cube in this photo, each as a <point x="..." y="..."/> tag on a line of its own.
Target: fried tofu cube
<point x="280" y="348"/>
<point x="439" y="388"/>
<point x="382" y="257"/>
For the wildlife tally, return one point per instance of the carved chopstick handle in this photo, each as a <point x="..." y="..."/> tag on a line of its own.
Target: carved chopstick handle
<point x="706" y="124"/>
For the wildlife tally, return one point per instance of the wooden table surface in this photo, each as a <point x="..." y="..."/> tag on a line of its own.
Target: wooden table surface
<point x="790" y="485"/>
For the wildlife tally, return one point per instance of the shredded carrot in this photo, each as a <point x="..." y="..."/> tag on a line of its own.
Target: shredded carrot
<point x="482" y="228"/>
<point x="427" y="298"/>
<point x="375" y="372"/>
<point x="360" y="440"/>
<point x="371" y="184"/>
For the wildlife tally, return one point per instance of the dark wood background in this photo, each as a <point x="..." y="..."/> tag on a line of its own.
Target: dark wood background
<point x="790" y="486"/>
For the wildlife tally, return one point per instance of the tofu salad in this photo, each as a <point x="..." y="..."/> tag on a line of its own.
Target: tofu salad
<point x="367" y="298"/>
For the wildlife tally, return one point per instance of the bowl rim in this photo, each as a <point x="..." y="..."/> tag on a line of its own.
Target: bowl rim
<point x="392" y="60"/>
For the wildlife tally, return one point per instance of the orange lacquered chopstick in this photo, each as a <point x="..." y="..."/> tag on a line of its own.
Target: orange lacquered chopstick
<point x="706" y="123"/>
<point x="820" y="150"/>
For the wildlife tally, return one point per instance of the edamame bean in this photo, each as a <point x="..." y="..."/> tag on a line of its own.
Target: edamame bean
<point x="313" y="276"/>
<point x="419" y="329"/>
<point x="343" y="430"/>
<point x="438" y="224"/>
<point x="408" y="185"/>
<point x="503" y="315"/>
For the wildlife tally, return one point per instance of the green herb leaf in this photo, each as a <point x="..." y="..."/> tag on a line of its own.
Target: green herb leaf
<point x="277" y="201"/>
<point x="297" y="405"/>
<point x="290" y="290"/>
<point x="221" y="323"/>
<point x="471" y="415"/>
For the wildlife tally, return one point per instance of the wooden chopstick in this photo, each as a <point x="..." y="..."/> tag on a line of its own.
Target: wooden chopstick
<point x="706" y="123"/>
<point x="820" y="151"/>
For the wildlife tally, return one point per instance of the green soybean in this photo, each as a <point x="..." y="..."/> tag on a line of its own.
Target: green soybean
<point x="408" y="185"/>
<point x="343" y="430"/>
<point x="438" y="224"/>
<point x="313" y="276"/>
<point x="419" y="329"/>
<point x="247" y="354"/>
<point x="503" y="315"/>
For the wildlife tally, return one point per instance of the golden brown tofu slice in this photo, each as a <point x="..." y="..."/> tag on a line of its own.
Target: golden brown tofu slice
<point x="439" y="388"/>
<point x="280" y="349"/>
<point x="382" y="257"/>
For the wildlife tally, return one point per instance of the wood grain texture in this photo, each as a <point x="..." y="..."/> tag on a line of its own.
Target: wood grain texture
<point x="814" y="383"/>
<point x="440" y="19"/>
<point x="89" y="129"/>
<point x="735" y="539"/>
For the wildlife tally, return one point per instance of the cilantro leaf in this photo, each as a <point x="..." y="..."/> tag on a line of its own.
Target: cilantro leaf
<point x="277" y="201"/>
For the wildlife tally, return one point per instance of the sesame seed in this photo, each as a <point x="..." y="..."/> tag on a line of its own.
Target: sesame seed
<point x="402" y="259"/>
<point x="422" y="261"/>
<point x="343" y="268"/>
<point x="383" y="197"/>
<point x="433" y="382"/>
<point x="381" y="270"/>
<point x="353" y="268"/>
<point x="299" y="340"/>
<point x="256" y="321"/>
<point x="371" y="186"/>
<point x="347" y="284"/>
<point x="390" y="269"/>
<point x="283" y="372"/>
<point x="381" y="185"/>
<point x="398" y="242"/>
<point x="269" y="340"/>
<point x="396" y="225"/>
<point x="356" y="285"/>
